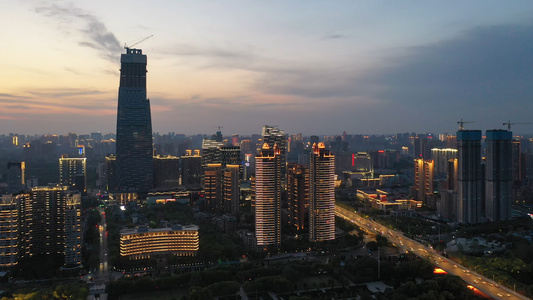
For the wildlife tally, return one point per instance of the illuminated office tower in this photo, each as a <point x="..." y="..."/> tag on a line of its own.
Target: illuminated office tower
<point x="111" y="173"/>
<point x="9" y="217"/>
<point x="499" y="175"/>
<point x="134" y="126"/>
<point x="213" y="188"/>
<point x="441" y="158"/>
<point x="51" y="225"/>
<point x="275" y="136"/>
<point x="73" y="231"/>
<point x="211" y="153"/>
<point x="268" y="185"/>
<point x="166" y="171"/>
<point x="321" y="194"/>
<point x="73" y="173"/>
<point x="191" y="169"/>
<point x="469" y="176"/>
<point x="15" y="177"/>
<point x="298" y="195"/>
<point x="424" y="177"/>
<point x="231" y="189"/>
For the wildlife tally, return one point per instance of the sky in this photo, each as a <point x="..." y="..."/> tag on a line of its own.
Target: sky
<point x="311" y="67"/>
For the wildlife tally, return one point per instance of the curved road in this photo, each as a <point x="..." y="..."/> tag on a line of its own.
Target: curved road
<point x="478" y="281"/>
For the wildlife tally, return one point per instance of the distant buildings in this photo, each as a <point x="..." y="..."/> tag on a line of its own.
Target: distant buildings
<point x="134" y="126"/>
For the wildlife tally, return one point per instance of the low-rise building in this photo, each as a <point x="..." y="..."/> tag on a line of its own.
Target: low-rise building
<point x="141" y="243"/>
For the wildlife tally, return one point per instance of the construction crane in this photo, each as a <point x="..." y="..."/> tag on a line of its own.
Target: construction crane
<point x="509" y="124"/>
<point x="461" y="124"/>
<point x="131" y="46"/>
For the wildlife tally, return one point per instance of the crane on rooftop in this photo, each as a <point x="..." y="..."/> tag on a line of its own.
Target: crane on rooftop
<point x="138" y="42"/>
<point x="509" y="124"/>
<point x="461" y="124"/>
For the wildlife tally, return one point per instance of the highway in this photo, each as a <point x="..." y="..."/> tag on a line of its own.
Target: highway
<point x="405" y="244"/>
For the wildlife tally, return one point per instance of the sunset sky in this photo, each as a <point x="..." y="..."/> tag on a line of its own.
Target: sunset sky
<point x="315" y="67"/>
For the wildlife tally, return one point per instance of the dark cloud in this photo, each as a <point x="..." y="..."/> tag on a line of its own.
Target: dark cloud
<point x="483" y="74"/>
<point x="96" y="33"/>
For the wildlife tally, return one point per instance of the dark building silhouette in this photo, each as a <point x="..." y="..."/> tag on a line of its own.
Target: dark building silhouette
<point x="499" y="175"/>
<point x="298" y="195"/>
<point x="15" y="176"/>
<point x="191" y="169"/>
<point x="469" y="177"/>
<point x="134" y="126"/>
<point x="166" y="171"/>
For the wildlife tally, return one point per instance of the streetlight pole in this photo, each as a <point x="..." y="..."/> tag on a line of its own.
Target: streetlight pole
<point x="379" y="265"/>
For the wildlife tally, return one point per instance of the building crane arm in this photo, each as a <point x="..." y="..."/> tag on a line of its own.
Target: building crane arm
<point x="461" y="124"/>
<point x="509" y="124"/>
<point x="131" y="46"/>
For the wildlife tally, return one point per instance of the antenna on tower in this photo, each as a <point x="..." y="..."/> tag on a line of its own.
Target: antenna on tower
<point x="131" y="46"/>
<point x="461" y="124"/>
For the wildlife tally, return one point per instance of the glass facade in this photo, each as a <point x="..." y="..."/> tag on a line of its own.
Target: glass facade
<point x="134" y="126"/>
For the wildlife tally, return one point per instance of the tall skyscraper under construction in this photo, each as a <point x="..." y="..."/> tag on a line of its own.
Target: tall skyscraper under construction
<point x="499" y="175"/>
<point x="134" y="126"/>
<point x="469" y="176"/>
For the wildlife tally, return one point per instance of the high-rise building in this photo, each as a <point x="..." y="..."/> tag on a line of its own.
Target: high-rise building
<point x="9" y="218"/>
<point x="424" y="177"/>
<point x="499" y="175"/>
<point x="298" y="195"/>
<point x="111" y="173"/>
<point x="268" y="186"/>
<point x="166" y="171"/>
<point x="213" y="188"/>
<point x="211" y="153"/>
<point x="321" y="194"/>
<point x="16" y="177"/>
<point x="73" y="173"/>
<point x="191" y="169"/>
<point x="469" y="176"/>
<point x="441" y="158"/>
<point x="134" y="126"/>
<point x="73" y="230"/>
<point x="231" y="189"/>
<point x="275" y="136"/>
<point x="51" y="225"/>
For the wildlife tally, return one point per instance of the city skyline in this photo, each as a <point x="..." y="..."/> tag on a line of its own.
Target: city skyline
<point x="376" y="68"/>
